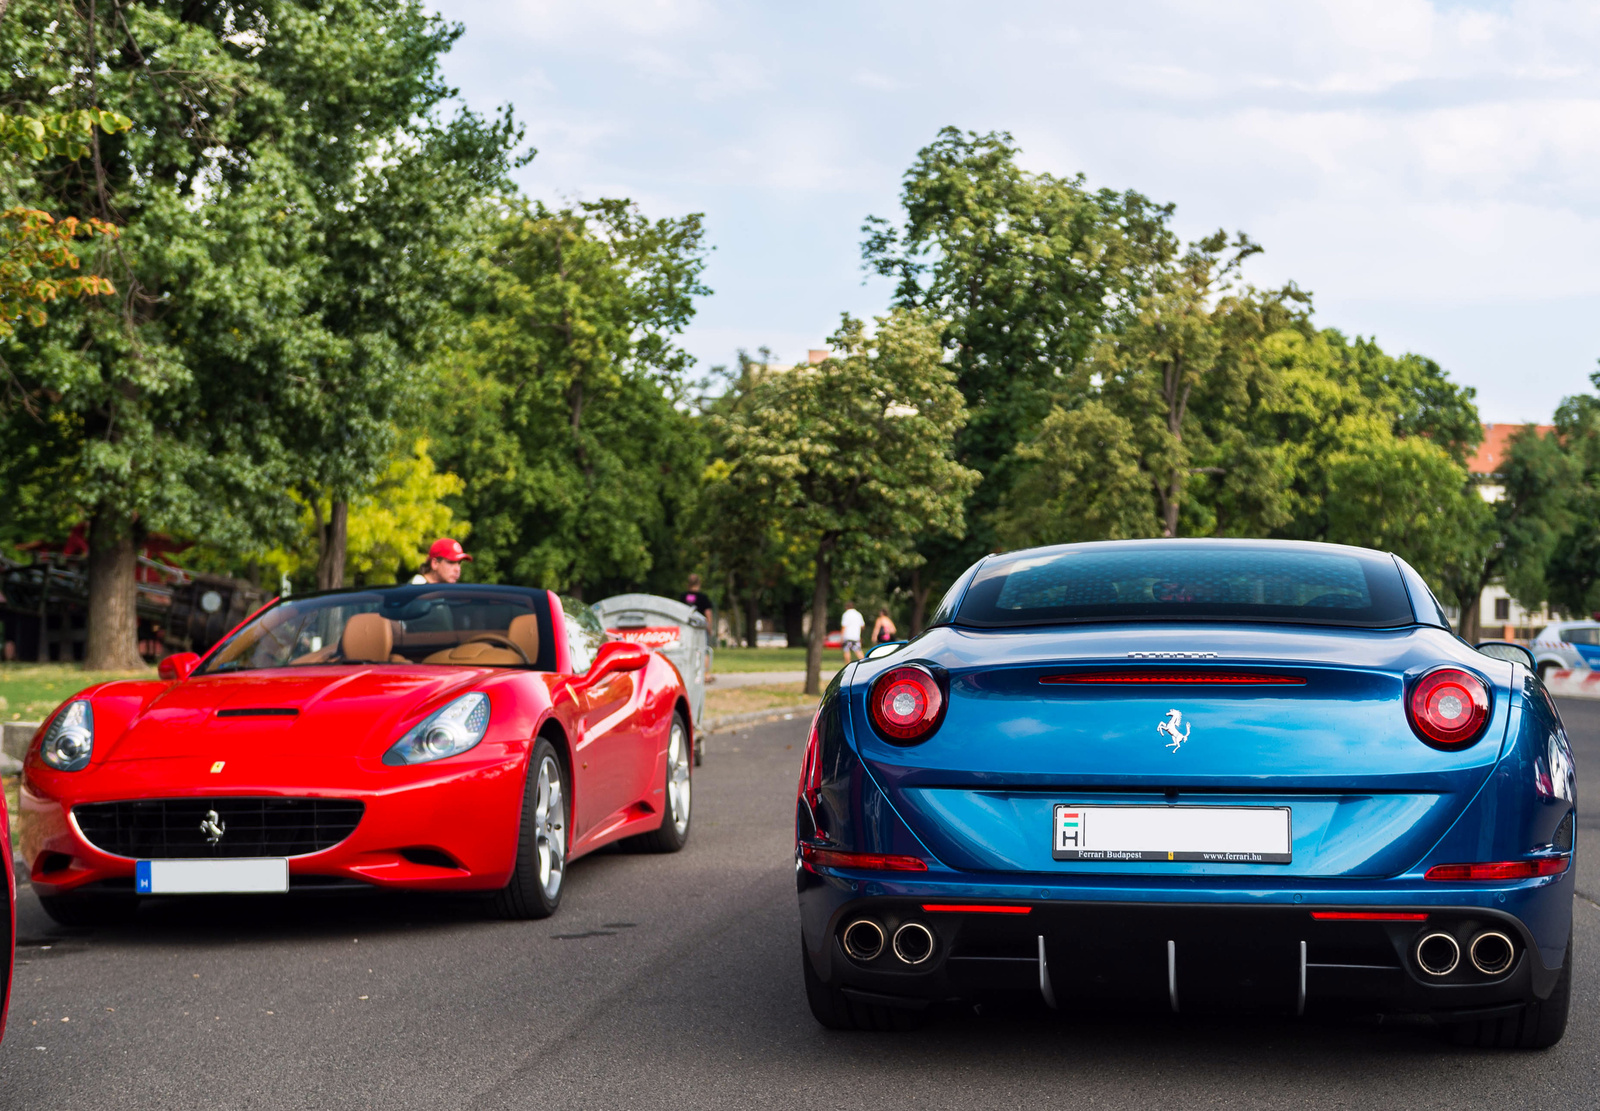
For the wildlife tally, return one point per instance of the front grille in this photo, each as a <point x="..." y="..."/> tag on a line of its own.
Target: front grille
<point x="158" y="829"/>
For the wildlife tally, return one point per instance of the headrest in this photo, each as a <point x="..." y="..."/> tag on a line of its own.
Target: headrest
<point x="524" y="633"/>
<point x="367" y="637"/>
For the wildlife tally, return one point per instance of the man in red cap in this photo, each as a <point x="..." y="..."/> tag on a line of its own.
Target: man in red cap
<point x="444" y="562"/>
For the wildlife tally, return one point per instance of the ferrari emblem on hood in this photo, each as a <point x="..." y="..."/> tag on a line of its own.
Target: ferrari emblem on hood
<point x="213" y="827"/>
<point x="1176" y="728"/>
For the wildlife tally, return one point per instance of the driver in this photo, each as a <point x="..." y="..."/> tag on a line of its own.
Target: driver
<point x="444" y="562"/>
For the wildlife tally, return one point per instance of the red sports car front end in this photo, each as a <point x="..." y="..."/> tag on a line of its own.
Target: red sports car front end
<point x="231" y="767"/>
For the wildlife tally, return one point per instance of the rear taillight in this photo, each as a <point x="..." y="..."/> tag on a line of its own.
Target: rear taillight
<point x="1500" y="870"/>
<point x="1448" y="707"/>
<point x="869" y="862"/>
<point x="811" y="767"/>
<point x="905" y="704"/>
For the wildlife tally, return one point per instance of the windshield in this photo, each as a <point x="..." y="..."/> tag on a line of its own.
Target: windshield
<point x="1188" y="580"/>
<point x="465" y="626"/>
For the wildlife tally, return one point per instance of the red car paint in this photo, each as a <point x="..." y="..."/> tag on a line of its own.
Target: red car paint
<point x="162" y="739"/>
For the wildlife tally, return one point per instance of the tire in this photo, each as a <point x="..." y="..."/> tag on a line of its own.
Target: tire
<point x="833" y="1009"/>
<point x="536" y="880"/>
<point x="1544" y="671"/>
<point x="90" y="910"/>
<point x="1538" y="1026"/>
<point x="679" y="794"/>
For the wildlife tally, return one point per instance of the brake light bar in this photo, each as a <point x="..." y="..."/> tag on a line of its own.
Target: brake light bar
<point x="972" y="908"/>
<point x="1367" y="916"/>
<point x="1168" y="678"/>
<point x="1501" y="870"/>
<point x="872" y="862"/>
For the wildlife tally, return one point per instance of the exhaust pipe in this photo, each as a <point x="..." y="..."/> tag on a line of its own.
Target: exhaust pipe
<point x="913" y="943"/>
<point x="863" y="939"/>
<point x="1438" y="954"/>
<point x="1492" y="952"/>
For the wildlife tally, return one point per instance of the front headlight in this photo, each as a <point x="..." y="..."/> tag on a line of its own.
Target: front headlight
<point x="445" y="732"/>
<point x="69" y="742"/>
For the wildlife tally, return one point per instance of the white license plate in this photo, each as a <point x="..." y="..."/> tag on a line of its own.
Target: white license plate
<point x="1193" y="834"/>
<point x="212" y="877"/>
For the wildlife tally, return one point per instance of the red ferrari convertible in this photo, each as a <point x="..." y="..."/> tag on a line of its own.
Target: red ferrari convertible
<point x="432" y="737"/>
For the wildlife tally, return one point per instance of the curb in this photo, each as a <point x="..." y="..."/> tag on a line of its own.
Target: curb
<point x="777" y="713"/>
<point x="1573" y="683"/>
<point x="15" y="737"/>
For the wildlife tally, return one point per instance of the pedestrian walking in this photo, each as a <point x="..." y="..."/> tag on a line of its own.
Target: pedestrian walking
<point x="883" y="630"/>
<point x="850" y="625"/>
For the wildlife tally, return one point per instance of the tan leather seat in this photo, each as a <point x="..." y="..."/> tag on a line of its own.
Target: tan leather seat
<point x="524" y="633"/>
<point x="369" y="638"/>
<point x="476" y="652"/>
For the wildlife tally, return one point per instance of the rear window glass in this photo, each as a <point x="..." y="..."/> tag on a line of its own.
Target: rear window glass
<point x="1169" y="580"/>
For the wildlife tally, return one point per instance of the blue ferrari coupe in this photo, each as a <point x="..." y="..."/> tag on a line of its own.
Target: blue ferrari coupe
<point x="1191" y="775"/>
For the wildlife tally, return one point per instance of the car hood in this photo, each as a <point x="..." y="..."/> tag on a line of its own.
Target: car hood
<point x="313" y="712"/>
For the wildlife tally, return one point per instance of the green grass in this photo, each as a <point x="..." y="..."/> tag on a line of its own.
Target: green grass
<point x="30" y="691"/>
<point x="771" y="659"/>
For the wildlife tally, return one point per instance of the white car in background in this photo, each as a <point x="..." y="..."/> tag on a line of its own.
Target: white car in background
<point x="1567" y="644"/>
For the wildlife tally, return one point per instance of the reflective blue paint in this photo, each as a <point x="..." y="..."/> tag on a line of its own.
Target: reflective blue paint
<point x="1374" y="807"/>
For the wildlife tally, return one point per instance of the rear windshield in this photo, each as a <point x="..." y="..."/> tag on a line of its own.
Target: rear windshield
<point x="1167" y="580"/>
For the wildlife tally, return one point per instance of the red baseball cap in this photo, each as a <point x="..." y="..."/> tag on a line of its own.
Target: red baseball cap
<point x="446" y="548"/>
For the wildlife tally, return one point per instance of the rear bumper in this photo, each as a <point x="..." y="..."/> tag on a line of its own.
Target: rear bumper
<point x="1166" y="949"/>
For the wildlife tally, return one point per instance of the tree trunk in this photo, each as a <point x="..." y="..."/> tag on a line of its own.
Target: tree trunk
<point x="752" y="609"/>
<point x="919" y="600"/>
<point x="794" y="622"/>
<point x="333" y="539"/>
<point x="43" y="654"/>
<point x="819" y="617"/>
<point x="113" y="620"/>
<point x="1470" y="617"/>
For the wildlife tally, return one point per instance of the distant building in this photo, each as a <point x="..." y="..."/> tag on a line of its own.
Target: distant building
<point x="1499" y="615"/>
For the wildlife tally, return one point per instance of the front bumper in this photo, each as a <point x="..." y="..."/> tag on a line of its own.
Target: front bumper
<point x="1150" y="947"/>
<point x="444" y="828"/>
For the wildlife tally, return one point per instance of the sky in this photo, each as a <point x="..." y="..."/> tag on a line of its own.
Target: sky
<point x="1429" y="171"/>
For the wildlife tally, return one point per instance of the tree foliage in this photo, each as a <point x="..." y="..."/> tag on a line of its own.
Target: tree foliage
<point x="559" y="403"/>
<point x="855" y="454"/>
<point x="280" y="203"/>
<point x="1027" y="270"/>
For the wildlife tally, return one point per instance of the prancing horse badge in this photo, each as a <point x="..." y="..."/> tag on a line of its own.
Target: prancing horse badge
<point x="1176" y="728"/>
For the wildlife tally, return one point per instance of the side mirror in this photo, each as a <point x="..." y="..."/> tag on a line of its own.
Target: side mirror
<point x="178" y="667"/>
<point x="618" y="655"/>
<point x="1509" y="651"/>
<point x="888" y="647"/>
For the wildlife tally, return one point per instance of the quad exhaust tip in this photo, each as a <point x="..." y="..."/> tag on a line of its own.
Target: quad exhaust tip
<point x="863" y="939"/>
<point x="1492" y="952"/>
<point x="913" y="943"/>
<point x="1438" y="953"/>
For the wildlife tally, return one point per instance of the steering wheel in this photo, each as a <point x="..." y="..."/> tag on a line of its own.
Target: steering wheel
<point x="502" y="641"/>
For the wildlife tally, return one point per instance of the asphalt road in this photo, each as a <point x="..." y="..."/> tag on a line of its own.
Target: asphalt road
<point x="666" y="982"/>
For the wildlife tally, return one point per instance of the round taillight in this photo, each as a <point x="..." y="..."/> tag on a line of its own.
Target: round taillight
<point x="905" y="704"/>
<point x="1449" y="707"/>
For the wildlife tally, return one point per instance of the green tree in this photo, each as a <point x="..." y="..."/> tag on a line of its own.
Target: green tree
<point x="560" y="403"/>
<point x="1516" y="536"/>
<point x="256" y="268"/>
<point x="1573" y="570"/>
<point x="1027" y="270"/>
<point x="856" y="453"/>
<point x="1151" y="434"/>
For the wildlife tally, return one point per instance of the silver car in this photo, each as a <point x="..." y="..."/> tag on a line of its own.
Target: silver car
<point x="1565" y="644"/>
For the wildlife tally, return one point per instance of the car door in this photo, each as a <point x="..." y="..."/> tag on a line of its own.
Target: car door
<point x="608" y="751"/>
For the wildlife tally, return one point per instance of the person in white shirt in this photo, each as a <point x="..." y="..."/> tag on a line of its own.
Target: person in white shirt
<point x="851" y="625"/>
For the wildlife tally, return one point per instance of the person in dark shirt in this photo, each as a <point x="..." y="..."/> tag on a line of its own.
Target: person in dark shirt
<point x="696" y="598"/>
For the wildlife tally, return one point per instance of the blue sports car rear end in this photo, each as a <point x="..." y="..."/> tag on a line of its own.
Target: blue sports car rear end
<point x="1189" y="775"/>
